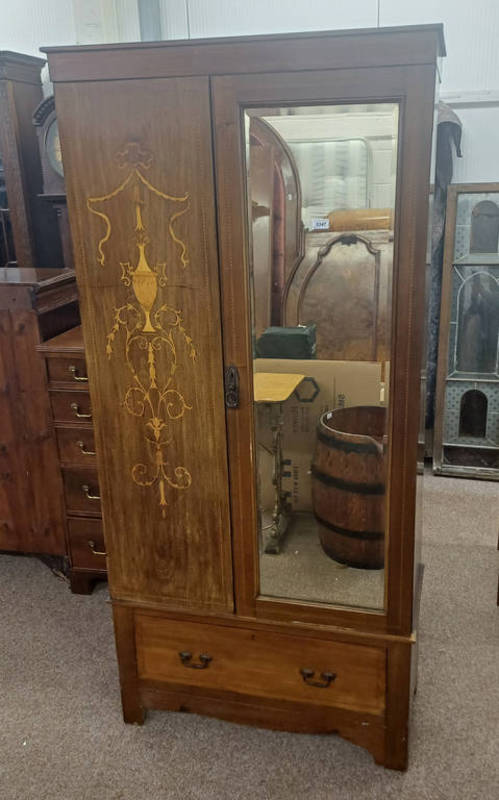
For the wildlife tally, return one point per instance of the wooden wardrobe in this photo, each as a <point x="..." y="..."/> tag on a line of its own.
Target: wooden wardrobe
<point x="154" y="151"/>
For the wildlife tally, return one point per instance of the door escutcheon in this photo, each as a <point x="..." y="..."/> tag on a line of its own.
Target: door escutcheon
<point x="232" y="387"/>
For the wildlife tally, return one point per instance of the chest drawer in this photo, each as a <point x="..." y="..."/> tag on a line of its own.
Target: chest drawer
<point x="68" y="370"/>
<point x="86" y="544"/>
<point x="261" y="664"/>
<point x="81" y="491"/>
<point x="71" y="406"/>
<point x="76" y="446"/>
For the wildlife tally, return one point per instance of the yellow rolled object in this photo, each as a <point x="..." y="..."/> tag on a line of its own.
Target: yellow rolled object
<point x="359" y="219"/>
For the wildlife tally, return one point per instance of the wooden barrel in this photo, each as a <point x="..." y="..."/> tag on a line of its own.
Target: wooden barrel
<point x="348" y="485"/>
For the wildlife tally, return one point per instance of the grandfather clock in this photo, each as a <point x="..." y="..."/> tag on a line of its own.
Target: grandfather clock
<point x="54" y="190"/>
<point x="28" y="226"/>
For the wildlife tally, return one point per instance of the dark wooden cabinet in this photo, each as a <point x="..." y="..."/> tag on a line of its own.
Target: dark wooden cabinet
<point x="34" y="306"/>
<point x="37" y="301"/>
<point x="72" y="422"/>
<point x="158" y="169"/>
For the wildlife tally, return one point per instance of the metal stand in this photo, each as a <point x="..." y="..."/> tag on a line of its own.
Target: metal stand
<point x="272" y="390"/>
<point x="279" y="523"/>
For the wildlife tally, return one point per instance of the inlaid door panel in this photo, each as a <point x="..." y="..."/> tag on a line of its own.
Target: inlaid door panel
<point x="137" y="160"/>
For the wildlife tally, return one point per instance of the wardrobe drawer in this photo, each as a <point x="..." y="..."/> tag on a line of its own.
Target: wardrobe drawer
<point x="68" y="370"/>
<point x="81" y="491"/>
<point x="70" y="406"/>
<point x="86" y="544"/>
<point x="76" y="446"/>
<point x="261" y="664"/>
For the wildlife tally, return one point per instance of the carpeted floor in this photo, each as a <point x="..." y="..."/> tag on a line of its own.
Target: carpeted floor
<point x="62" y="737"/>
<point x="302" y="570"/>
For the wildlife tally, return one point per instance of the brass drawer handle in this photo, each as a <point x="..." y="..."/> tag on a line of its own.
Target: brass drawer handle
<point x="186" y="659"/>
<point x="86" y="491"/>
<point x="327" y="678"/>
<point x="73" y="370"/>
<point x="91" y="544"/>
<point x="76" y="408"/>
<point x="84" y="450"/>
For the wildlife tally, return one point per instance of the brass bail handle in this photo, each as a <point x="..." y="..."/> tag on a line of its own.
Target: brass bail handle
<point x="94" y="550"/>
<point x="74" y="373"/>
<point x="88" y="494"/>
<point x="76" y="409"/>
<point x="84" y="450"/>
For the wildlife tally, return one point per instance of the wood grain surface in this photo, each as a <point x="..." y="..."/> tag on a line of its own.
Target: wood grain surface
<point x="178" y="551"/>
<point x="249" y="663"/>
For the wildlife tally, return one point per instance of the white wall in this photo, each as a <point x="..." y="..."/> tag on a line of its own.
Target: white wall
<point x="237" y="17"/>
<point x="470" y="72"/>
<point x="480" y="145"/>
<point x="28" y="24"/>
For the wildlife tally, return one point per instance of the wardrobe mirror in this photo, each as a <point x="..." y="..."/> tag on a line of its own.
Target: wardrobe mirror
<point x="321" y="184"/>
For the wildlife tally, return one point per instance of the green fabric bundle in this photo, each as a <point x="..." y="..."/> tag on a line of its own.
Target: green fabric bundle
<point x="297" y="342"/>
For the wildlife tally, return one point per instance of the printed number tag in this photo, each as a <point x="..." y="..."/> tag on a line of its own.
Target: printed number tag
<point x="320" y="224"/>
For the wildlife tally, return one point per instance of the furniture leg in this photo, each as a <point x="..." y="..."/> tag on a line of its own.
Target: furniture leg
<point x="133" y="710"/>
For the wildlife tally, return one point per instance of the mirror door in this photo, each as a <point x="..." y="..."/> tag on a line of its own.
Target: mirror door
<point x="311" y="204"/>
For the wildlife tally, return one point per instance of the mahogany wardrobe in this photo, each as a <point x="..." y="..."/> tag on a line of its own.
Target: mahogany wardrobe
<point x="260" y="481"/>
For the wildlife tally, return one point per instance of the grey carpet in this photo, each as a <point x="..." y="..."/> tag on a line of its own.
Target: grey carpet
<point x="62" y="737"/>
<point x="302" y="570"/>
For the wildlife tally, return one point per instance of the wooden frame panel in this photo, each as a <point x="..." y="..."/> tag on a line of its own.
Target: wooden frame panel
<point x="413" y="89"/>
<point x="359" y="47"/>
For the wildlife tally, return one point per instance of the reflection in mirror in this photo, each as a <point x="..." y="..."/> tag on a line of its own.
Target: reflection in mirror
<point x="321" y="198"/>
<point x="478" y="324"/>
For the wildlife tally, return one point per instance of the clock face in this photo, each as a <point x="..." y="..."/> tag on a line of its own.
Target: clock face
<point x="53" y="148"/>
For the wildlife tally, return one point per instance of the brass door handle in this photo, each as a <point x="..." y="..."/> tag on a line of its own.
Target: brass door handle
<point x="76" y="409"/>
<point x="73" y="370"/>
<point x="86" y="491"/>
<point x="91" y="544"/>
<point x="84" y="450"/>
<point x="186" y="659"/>
<point x="327" y="678"/>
